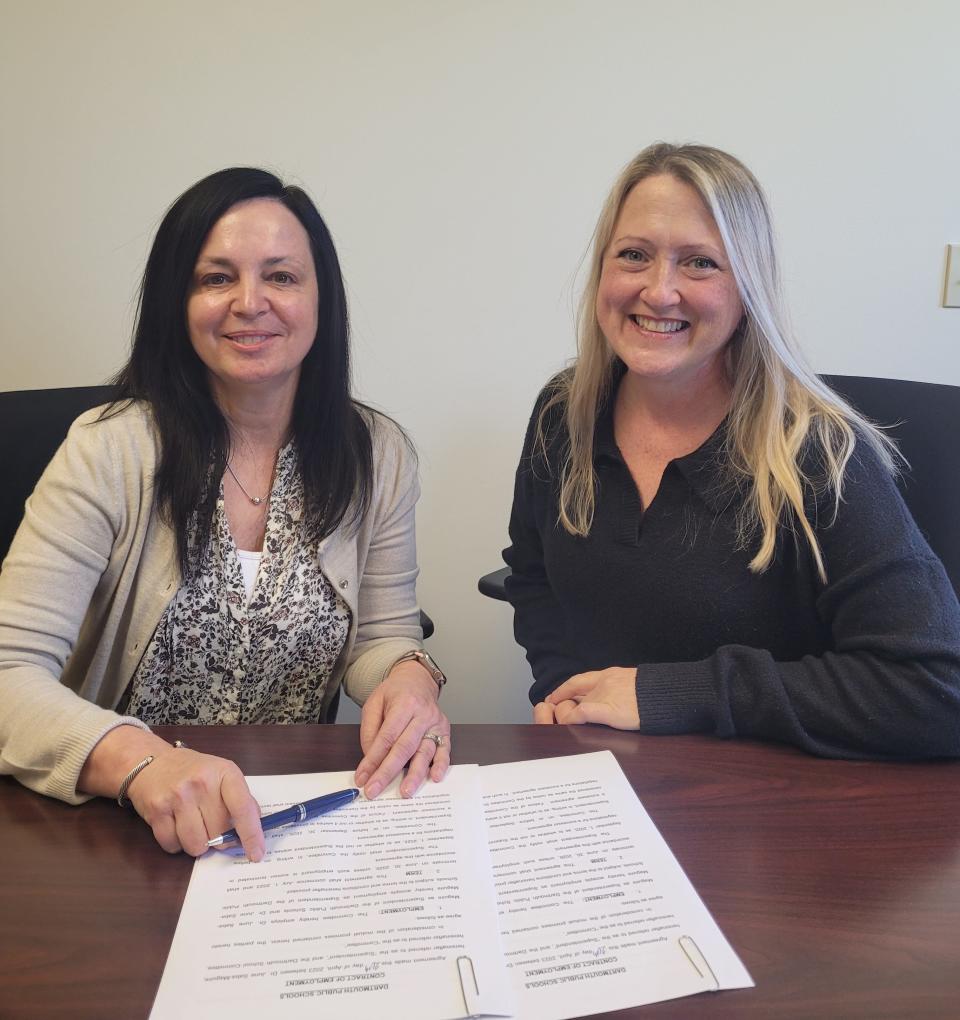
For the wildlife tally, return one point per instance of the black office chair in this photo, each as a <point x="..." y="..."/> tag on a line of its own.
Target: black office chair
<point x="33" y="424"/>
<point x="923" y="419"/>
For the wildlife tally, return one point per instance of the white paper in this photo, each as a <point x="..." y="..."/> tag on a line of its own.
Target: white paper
<point x="595" y="912"/>
<point x="389" y="908"/>
<point x="359" y="913"/>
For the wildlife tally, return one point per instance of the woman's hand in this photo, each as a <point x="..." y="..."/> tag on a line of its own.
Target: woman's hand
<point x="186" y="797"/>
<point x="393" y="728"/>
<point x="606" y="696"/>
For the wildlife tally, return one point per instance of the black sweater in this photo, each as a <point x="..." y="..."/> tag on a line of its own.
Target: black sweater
<point x="865" y="666"/>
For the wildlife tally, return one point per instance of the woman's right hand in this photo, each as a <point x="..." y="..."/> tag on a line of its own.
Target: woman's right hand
<point x="185" y="796"/>
<point x="605" y="696"/>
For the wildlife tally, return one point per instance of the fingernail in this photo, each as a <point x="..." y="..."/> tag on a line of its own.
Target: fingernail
<point x="373" y="790"/>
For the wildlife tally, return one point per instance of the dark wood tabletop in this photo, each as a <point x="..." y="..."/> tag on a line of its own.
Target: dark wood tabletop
<point x="837" y="883"/>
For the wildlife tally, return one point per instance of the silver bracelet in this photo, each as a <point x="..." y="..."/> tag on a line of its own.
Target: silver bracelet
<point x="135" y="771"/>
<point x="129" y="778"/>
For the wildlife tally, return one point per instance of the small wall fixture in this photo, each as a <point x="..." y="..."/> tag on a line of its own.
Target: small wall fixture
<point x="951" y="278"/>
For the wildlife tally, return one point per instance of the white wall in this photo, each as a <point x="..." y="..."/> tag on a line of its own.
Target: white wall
<point x="460" y="152"/>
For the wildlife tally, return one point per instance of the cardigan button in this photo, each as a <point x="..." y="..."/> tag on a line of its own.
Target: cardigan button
<point x="344" y="583"/>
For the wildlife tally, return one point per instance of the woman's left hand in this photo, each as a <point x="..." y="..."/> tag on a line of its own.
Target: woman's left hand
<point x="393" y="732"/>
<point x="605" y="696"/>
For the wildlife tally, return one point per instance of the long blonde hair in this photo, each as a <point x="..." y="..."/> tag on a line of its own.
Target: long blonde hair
<point x="780" y="410"/>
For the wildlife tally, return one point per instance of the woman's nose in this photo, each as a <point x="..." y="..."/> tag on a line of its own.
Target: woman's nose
<point x="660" y="288"/>
<point x="249" y="298"/>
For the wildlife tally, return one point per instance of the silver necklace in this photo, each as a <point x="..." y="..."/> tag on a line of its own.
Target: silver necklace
<point x="255" y="500"/>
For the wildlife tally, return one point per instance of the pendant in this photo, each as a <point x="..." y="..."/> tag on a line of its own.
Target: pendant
<point x="256" y="500"/>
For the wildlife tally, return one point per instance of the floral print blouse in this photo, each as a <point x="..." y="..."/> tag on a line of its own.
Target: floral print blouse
<point x="217" y="657"/>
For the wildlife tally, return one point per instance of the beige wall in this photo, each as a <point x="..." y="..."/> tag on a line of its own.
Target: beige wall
<point x="460" y="152"/>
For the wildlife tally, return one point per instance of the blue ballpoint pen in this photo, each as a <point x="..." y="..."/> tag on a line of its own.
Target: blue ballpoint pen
<point x="296" y="813"/>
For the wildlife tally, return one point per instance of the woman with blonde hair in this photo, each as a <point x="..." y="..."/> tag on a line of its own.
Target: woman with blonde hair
<point x="705" y="537"/>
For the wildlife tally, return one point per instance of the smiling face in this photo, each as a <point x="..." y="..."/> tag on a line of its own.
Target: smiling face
<point x="253" y="303"/>
<point x="667" y="301"/>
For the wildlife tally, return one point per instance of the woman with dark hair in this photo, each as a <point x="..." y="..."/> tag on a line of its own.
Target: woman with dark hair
<point x="226" y="543"/>
<point x="704" y="537"/>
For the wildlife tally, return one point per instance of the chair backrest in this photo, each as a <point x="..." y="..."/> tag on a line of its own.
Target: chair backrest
<point x="923" y="419"/>
<point x="33" y="423"/>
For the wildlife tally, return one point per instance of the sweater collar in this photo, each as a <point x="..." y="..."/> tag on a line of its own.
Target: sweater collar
<point x="705" y="469"/>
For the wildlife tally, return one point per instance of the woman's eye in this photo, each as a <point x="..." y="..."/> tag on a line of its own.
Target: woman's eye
<point x="632" y="255"/>
<point x="282" y="277"/>
<point x="702" y="262"/>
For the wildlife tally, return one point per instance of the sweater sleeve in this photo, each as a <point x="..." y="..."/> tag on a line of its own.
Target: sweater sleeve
<point x="55" y="564"/>
<point x="538" y="618"/>
<point x="388" y="617"/>
<point x="890" y="686"/>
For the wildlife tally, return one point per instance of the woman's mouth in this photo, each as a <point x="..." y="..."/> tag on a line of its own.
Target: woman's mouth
<point x="659" y="325"/>
<point x="248" y="339"/>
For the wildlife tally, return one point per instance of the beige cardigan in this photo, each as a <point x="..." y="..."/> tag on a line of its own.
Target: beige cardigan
<point x="93" y="567"/>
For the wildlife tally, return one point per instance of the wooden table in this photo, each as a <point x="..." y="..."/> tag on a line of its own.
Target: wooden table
<point x="837" y="883"/>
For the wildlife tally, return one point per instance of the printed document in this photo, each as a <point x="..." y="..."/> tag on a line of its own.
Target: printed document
<point x="374" y="910"/>
<point x="595" y="912"/>
<point x="539" y="890"/>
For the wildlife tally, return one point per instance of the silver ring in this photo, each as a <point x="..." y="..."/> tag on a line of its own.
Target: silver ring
<point x="438" y="738"/>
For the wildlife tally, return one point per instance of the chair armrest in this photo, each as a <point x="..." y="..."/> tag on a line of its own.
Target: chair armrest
<point x="491" y="585"/>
